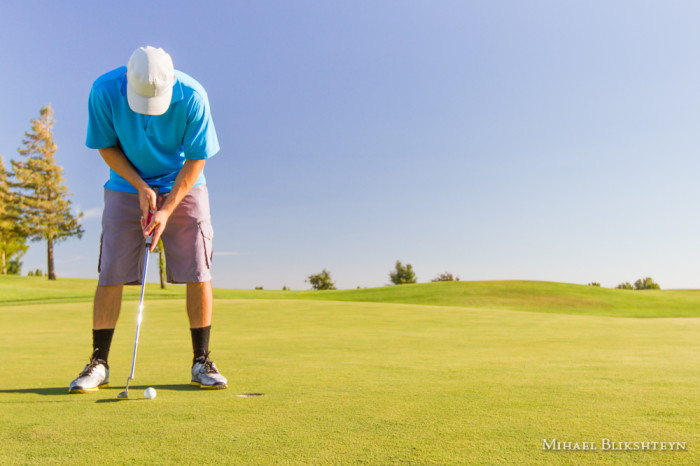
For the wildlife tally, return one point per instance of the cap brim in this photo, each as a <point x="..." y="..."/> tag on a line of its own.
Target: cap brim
<point x="157" y="105"/>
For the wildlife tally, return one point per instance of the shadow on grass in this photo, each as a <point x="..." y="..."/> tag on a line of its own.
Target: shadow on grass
<point x="39" y="391"/>
<point x="53" y="391"/>
<point x="136" y="392"/>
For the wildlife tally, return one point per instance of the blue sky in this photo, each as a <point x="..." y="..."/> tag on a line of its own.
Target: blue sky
<point x="540" y="140"/>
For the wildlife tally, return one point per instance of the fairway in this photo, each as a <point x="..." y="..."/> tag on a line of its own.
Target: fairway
<point x="352" y="382"/>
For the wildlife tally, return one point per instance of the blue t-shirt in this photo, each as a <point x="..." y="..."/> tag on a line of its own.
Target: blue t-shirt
<point x="157" y="146"/>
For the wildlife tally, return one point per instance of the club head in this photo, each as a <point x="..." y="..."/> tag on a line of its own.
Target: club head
<point x="125" y="394"/>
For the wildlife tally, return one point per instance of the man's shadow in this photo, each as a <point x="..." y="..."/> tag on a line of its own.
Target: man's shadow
<point x="54" y="391"/>
<point x="39" y="391"/>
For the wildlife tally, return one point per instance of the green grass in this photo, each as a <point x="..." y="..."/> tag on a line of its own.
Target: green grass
<point x="531" y="296"/>
<point x="373" y="381"/>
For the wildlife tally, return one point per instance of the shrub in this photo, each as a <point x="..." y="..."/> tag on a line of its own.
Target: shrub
<point x="646" y="284"/>
<point x="445" y="277"/>
<point x="14" y="267"/>
<point x="625" y="286"/>
<point x="321" y="281"/>
<point x="402" y="274"/>
<point x="594" y="284"/>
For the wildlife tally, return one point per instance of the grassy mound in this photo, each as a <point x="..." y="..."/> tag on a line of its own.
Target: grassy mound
<point x="532" y="296"/>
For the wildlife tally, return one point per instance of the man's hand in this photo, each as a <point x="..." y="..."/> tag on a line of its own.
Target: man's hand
<point x="156" y="227"/>
<point x="148" y="201"/>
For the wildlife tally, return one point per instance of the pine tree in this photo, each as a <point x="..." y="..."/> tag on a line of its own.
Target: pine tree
<point x="12" y="241"/>
<point x="44" y="200"/>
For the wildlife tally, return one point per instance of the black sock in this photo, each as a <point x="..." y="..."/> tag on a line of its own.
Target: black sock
<point x="101" y="341"/>
<point x="200" y="341"/>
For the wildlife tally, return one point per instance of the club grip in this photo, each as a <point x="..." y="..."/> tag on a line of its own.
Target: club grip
<point x="149" y="238"/>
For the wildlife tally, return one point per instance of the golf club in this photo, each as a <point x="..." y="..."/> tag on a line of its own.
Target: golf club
<point x="148" y="243"/>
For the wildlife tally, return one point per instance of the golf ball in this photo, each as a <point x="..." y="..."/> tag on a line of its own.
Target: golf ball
<point x="149" y="393"/>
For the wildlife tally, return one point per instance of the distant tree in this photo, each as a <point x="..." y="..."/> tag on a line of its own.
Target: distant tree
<point x="161" y="262"/>
<point x="625" y="286"/>
<point x="14" y="267"/>
<point x="258" y="287"/>
<point x="445" y="277"/>
<point x="12" y="239"/>
<point x="284" y="288"/>
<point x="402" y="274"/>
<point x="46" y="210"/>
<point x="30" y="273"/>
<point x="38" y="273"/>
<point x="646" y="284"/>
<point x="321" y="281"/>
<point x="594" y="284"/>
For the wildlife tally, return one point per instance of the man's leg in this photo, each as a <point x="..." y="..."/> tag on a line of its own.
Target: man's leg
<point x="107" y="304"/>
<point x="199" y="310"/>
<point x="199" y="304"/>
<point x="120" y="259"/>
<point x="105" y="313"/>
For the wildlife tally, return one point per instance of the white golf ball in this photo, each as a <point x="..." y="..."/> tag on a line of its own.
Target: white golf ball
<point x="149" y="393"/>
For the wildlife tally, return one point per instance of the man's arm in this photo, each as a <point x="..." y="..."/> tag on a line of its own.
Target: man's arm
<point x="186" y="178"/>
<point x="117" y="161"/>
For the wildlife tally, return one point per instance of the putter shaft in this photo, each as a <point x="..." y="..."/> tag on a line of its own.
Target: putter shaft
<point x="149" y="242"/>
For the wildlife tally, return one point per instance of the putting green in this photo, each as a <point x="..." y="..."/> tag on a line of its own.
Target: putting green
<point x="352" y="382"/>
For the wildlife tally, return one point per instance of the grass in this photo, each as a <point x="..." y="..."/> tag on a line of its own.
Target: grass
<point x="531" y="296"/>
<point x="372" y="380"/>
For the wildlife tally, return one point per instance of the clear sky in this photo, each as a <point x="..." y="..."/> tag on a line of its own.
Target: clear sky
<point x="542" y="140"/>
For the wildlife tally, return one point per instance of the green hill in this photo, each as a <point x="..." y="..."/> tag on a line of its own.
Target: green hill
<point x="532" y="296"/>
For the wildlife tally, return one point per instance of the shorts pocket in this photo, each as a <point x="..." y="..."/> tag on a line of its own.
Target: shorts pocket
<point x="207" y="233"/>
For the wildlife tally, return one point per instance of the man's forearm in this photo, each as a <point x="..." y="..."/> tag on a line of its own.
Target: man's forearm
<point x="189" y="173"/>
<point x="117" y="161"/>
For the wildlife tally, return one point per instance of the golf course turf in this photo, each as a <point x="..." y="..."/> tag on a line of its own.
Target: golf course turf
<point x="442" y="373"/>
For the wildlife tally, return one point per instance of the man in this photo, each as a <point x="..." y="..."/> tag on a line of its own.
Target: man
<point x="152" y="126"/>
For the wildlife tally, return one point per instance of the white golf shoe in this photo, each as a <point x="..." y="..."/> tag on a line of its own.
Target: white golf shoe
<point x="93" y="377"/>
<point x="206" y="375"/>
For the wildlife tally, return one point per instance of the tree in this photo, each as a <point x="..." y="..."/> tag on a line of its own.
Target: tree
<point x="646" y="284"/>
<point x="445" y="277"/>
<point x="14" y="267"/>
<point x="321" y="281"/>
<point x="594" y="284"/>
<point x="161" y="262"/>
<point x="45" y="208"/>
<point x="402" y="274"/>
<point x="12" y="241"/>
<point x="625" y="286"/>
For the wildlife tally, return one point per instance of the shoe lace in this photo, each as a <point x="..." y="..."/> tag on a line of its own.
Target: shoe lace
<point x="94" y="362"/>
<point x="209" y="366"/>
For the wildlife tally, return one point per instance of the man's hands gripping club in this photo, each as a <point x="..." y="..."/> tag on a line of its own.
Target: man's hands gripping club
<point x="117" y="161"/>
<point x="153" y="221"/>
<point x="148" y="200"/>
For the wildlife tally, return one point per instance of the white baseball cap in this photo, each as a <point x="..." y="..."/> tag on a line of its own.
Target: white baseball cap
<point x="150" y="75"/>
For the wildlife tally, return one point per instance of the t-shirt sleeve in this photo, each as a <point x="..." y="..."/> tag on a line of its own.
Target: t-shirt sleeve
<point x="100" y="132"/>
<point x="200" y="141"/>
